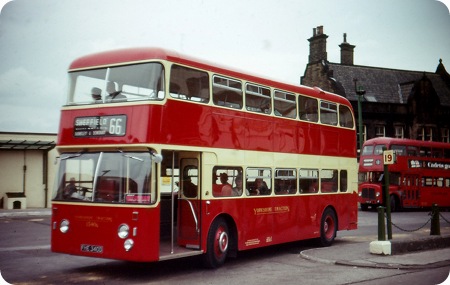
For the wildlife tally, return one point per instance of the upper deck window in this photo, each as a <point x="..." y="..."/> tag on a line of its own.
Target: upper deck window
<point x="257" y="99"/>
<point x="368" y="150"/>
<point x="378" y="150"/>
<point x="227" y="92"/>
<point x="284" y="104"/>
<point x="328" y="113"/>
<point x="189" y="84"/>
<point x="117" y="84"/>
<point x="399" y="149"/>
<point x="413" y="151"/>
<point x="308" y="109"/>
<point x="345" y="117"/>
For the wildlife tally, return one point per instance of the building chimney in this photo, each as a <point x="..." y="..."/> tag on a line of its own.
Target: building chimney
<point x="317" y="45"/>
<point x="346" y="52"/>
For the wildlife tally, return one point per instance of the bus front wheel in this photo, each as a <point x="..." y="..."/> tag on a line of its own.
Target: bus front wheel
<point x="218" y="244"/>
<point x="328" y="227"/>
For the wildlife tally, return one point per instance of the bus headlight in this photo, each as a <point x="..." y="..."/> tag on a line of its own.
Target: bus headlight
<point x="128" y="244"/>
<point x="123" y="231"/>
<point x="64" y="226"/>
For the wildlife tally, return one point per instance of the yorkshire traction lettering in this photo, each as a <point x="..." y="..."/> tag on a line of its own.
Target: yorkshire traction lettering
<point x="271" y="210"/>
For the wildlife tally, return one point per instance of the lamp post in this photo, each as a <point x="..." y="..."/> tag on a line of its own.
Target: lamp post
<point x="359" y="90"/>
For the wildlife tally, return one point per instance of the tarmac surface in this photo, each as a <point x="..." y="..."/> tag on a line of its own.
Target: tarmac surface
<point x="408" y="251"/>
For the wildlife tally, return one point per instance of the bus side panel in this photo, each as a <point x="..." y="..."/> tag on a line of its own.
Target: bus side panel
<point x="93" y="231"/>
<point x="347" y="210"/>
<point x="434" y="195"/>
<point x="267" y="221"/>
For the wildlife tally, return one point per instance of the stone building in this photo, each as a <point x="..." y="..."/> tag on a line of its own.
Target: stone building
<point x="396" y="103"/>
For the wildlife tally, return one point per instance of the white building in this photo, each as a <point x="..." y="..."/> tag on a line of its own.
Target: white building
<point x="27" y="170"/>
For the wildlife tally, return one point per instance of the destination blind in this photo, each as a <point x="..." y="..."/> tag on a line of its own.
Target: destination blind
<point x="100" y="126"/>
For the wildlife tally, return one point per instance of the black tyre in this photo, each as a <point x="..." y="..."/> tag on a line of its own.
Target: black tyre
<point x="218" y="244"/>
<point x="328" y="227"/>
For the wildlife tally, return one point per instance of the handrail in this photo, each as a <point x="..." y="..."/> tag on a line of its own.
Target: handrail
<point x="193" y="213"/>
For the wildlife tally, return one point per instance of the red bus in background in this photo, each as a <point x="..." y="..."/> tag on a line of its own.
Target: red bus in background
<point x="164" y="156"/>
<point x="420" y="176"/>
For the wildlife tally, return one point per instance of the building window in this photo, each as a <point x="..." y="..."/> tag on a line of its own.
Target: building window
<point x="421" y="133"/>
<point x="426" y="133"/>
<point x="364" y="136"/>
<point x="445" y="135"/>
<point x="379" y="131"/>
<point x="429" y="134"/>
<point x="399" y="132"/>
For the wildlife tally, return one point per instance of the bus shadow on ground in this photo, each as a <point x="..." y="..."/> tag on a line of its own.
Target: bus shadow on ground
<point x="130" y="272"/>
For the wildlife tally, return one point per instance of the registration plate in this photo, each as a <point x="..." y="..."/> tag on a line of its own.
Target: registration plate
<point x="92" y="248"/>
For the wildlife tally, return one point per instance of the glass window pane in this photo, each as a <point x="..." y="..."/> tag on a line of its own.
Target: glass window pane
<point x="227" y="181"/>
<point x="328" y="113"/>
<point x="257" y="99"/>
<point x="285" y="105"/>
<point x="308" y="181"/>
<point x="308" y="109"/>
<point x="258" y="181"/>
<point x="285" y="181"/>
<point x="227" y="92"/>
<point x="189" y="84"/>
<point x="328" y="180"/>
<point x="345" y="117"/>
<point x="117" y="84"/>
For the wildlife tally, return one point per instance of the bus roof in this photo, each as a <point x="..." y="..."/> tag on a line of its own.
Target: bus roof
<point x="409" y="142"/>
<point x="139" y="55"/>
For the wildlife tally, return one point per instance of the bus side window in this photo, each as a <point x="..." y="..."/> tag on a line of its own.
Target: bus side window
<point x="189" y="84"/>
<point x="308" y="109"/>
<point x="257" y="99"/>
<point x="227" y="92"/>
<point x="308" y="181"/>
<point x="399" y="149"/>
<point x="328" y="180"/>
<point x="259" y="181"/>
<point x="343" y="180"/>
<point x="285" y="181"/>
<point x="284" y="104"/>
<point x="345" y="117"/>
<point x="225" y="183"/>
<point x="412" y="151"/>
<point x="328" y="113"/>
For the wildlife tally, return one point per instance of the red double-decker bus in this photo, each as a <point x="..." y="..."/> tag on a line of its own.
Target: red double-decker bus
<point x="164" y="156"/>
<point x="420" y="176"/>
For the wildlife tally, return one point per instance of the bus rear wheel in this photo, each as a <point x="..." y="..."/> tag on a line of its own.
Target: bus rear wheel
<point x="328" y="227"/>
<point x="218" y="244"/>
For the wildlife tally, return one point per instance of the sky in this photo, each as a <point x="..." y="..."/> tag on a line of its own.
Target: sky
<point x="40" y="38"/>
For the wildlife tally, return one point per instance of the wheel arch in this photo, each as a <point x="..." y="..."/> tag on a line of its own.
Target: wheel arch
<point x="232" y="228"/>
<point x="332" y="208"/>
<point x="233" y="232"/>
